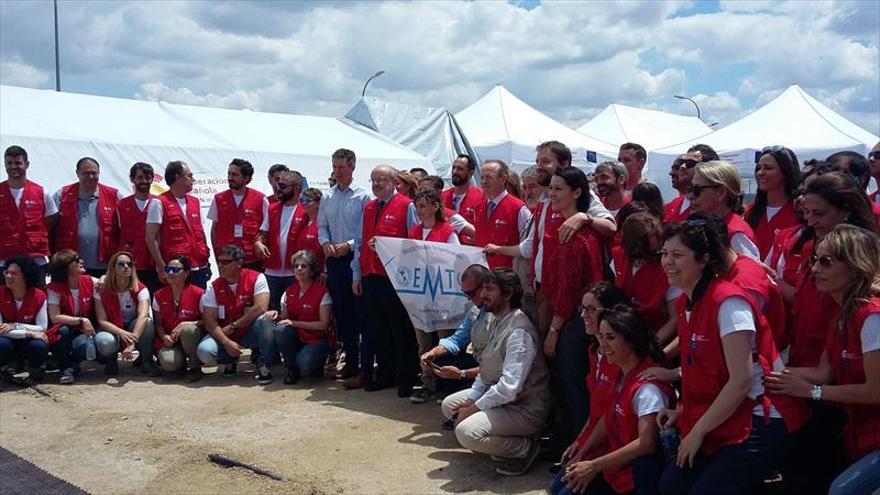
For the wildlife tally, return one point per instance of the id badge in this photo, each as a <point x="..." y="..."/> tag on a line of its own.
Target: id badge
<point x="221" y="312"/>
<point x="238" y="231"/>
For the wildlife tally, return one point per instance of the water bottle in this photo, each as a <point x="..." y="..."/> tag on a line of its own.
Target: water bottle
<point x="669" y="441"/>
<point x="91" y="352"/>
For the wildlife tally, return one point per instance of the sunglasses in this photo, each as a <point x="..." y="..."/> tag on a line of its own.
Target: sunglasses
<point x="305" y="200"/>
<point x="588" y="308"/>
<point x="824" y="261"/>
<point x="874" y="155"/>
<point x="282" y="185"/>
<point x="226" y="261"/>
<point x="689" y="163"/>
<point x="697" y="190"/>
<point x="124" y="264"/>
<point x="471" y="293"/>
<point x="173" y="269"/>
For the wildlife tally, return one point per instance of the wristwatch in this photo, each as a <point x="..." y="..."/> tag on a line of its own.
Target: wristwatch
<point x="462" y="375"/>
<point x="234" y="325"/>
<point x="816" y="393"/>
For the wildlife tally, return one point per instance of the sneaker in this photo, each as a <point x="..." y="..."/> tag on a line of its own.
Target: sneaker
<point x="517" y="467"/>
<point x="67" y="377"/>
<point x="193" y="375"/>
<point x="230" y="370"/>
<point x="265" y="377"/>
<point x="420" y="395"/>
<point x="293" y="375"/>
<point x="150" y="369"/>
<point x="112" y="366"/>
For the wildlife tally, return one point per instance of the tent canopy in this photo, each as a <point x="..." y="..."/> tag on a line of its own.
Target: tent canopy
<point x="58" y="128"/>
<point x="500" y="125"/>
<point x="618" y="124"/>
<point x="431" y="131"/>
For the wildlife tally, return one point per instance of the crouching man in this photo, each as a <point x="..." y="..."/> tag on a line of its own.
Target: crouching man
<point x="507" y="405"/>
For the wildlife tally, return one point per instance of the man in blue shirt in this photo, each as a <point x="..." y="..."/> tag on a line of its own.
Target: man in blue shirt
<point x="339" y="227"/>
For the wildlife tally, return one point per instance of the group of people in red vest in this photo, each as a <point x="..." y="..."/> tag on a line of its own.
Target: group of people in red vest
<point x="747" y="337"/>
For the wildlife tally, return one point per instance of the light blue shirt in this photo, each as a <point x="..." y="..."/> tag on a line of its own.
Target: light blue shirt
<point x="458" y="341"/>
<point x="341" y="214"/>
<point x="411" y="220"/>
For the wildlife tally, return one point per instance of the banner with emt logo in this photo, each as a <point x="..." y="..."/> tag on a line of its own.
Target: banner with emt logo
<point x="427" y="278"/>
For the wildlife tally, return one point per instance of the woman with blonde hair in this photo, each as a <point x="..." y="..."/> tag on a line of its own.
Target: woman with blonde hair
<point x="123" y="312"/>
<point x="716" y="189"/>
<point x="406" y="183"/>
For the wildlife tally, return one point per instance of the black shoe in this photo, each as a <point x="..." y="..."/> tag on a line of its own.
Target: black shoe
<point x="230" y="370"/>
<point x="35" y="375"/>
<point x="293" y="375"/>
<point x="139" y="361"/>
<point x="265" y="375"/>
<point x="150" y="369"/>
<point x="404" y="391"/>
<point x="112" y="366"/>
<point x="378" y="385"/>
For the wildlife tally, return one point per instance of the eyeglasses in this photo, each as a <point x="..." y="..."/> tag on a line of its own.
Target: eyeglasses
<point x="10" y="273"/>
<point x="697" y="190"/>
<point x="282" y="185"/>
<point x="471" y="293"/>
<point x="824" y="261"/>
<point x="173" y="269"/>
<point x="124" y="264"/>
<point x="588" y="308"/>
<point x="226" y="261"/>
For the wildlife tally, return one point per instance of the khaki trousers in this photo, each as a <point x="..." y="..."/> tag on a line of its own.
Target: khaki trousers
<point x="500" y="431"/>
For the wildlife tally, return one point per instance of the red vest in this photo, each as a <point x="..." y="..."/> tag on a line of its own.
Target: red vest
<point x="132" y="231"/>
<point x="296" y="224"/>
<point x="549" y="239"/>
<point x="66" y="233"/>
<point x="783" y="245"/>
<point x="23" y="227"/>
<point x="388" y="222"/>
<point x="467" y="207"/>
<point x="647" y="288"/>
<point x="110" y="301"/>
<point x="601" y="385"/>
<point x="439" y="232"/>
<point x="622" y="422"/>
<point x="306" y="308"/>
<point x="502" y="228"/>
<point x="736" y="224"/>
<point x="182" y="233"/>
<point x="766" y="231"/>
<point x="704" y="371"/>
<point x="671" y="210"/>
<point x="862" y="432"/>
<point x="747" y="274"/>
<point x="86" y="288"/>
<point x="248" y="214"/>
<point x="308" y="240"/>
<point x="30" y="305"/>
<point x="812" y="316"/>
<point x="234" y="303"/>
<point x="187" y="308"/>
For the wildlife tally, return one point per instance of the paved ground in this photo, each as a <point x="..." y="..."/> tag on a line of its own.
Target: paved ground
<point x="134" y="435"/>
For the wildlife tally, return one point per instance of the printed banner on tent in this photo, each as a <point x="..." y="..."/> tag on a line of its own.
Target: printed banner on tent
<point x="427" y="277"/>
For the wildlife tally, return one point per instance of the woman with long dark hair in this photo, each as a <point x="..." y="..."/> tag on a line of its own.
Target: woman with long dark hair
<point x="70" y="298"/>
<point x="778" y="176"/>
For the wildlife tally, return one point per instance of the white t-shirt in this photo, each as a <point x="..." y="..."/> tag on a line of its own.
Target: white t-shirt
<point x="287" y="214"/>
<point x="141" y="205"/>
<point x="155" y="213"/>
<point x="649" y="399"/>
<point x="458" y="222"/>
<point x="53" y="297"/>
<point x="48" y="200"/>
<point x="126" y="306"/>
<point x="209" y="300"/>
<point x="685" y="204"/>
<point x="870" y="333"/>
<point x="41" y="322"/>
<point x="212" y="210"/>
<point x="743" y="245"/>
<point x="771" y="212"/>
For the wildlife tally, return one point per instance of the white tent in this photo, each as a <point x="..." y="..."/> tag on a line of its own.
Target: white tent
<point x="431" y="131"/>
<point x="618" y="124"/>
<point x="500" y="125"/>
<point x="793" y="119"/>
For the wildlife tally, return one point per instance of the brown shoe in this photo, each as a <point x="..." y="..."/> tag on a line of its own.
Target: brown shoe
<point x="347" y="372"/>
<point x="193" y="375"/>
<point x="357" y="381"/>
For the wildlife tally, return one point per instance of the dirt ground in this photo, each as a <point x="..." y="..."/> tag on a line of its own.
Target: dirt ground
<point x="130" y="435"/>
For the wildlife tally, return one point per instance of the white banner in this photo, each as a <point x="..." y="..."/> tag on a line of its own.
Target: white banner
<point x="427" y="277"/>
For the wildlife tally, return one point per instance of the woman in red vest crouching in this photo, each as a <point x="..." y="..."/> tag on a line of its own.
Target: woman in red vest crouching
<point x="847" y="268"/>
<point x="23" y="319"/>
<point x="628" y="460"/>
<point x="732" y="435"/>
<point x="177" y="318"/>
<point x="302" y="334"/>
<point x="123" y="311"/>
<point x="70" y="298"/>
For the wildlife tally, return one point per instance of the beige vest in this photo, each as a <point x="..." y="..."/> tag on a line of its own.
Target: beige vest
<point x="534" y="399"/>
<point x="480" y="331"/>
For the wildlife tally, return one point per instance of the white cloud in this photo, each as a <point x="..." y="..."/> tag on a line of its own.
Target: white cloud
<point x="16" y="73"/>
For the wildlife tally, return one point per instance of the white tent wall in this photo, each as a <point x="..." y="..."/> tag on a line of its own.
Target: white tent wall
<point x="618" y="124"/>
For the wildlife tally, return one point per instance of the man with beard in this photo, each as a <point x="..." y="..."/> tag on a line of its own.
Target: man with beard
<point x="462" y="197"/>
<point x="237" y="213"/>
<point x="633" y="156"/>
<point x="174" y="226"/>
<point x="28" y="212"/>
<point x="532" y="189"/>
<point x="679" y="208"/>
<point x="390" y="214"/>
<point x="611" y="178"/>
<point x="273" y="176"/>
<point x="87" y="218"/>
<point x="277" y="239"/>
<point x="131" y="214"/>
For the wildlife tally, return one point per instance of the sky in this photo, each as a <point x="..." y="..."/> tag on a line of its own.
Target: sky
<point x="568" y="59"/>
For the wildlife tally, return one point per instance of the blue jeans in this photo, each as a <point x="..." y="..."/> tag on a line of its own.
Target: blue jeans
<point x="107" y="344"/>
<point x="348" y="316"/>
<point x="259" y="336"/>
<point x="277" y="286"/>
<point x="733" y="469"/>
<point x="646" y="472"/>
<point x="572" y="365"/>
<point x="34" y="351"/>
<point x="861" y="477"/>
<point x="309" y="358"/>
<point x="200" y="277"/>
<point x="62" y="350"/>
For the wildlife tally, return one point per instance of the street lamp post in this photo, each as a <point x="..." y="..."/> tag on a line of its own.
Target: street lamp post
<point x="57" y="61"/>
<point x="692" y="101"/>
<point x="368" y="82"/>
